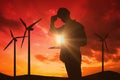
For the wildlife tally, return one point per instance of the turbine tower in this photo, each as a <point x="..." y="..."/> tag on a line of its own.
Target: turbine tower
<point x="15" y="40"/>
<point x="28" y="28"/>
<point x="103" y="41"/>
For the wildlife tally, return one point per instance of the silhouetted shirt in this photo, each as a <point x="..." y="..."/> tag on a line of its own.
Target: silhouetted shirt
<point x="75" y="37"/>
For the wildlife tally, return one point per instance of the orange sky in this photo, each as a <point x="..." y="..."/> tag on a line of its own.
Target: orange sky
<point x="97" y="17"/>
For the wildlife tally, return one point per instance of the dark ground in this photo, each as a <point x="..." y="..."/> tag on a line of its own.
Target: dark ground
<point x="107" y="75"/>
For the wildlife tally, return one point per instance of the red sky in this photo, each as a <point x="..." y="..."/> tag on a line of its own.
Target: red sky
<point x="97" y="16"/>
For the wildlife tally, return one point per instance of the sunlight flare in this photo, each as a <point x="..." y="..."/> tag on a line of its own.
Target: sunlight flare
<point x="60" y="39"/>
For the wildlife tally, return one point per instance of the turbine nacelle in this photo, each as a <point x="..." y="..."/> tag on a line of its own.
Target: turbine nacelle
<point x="14" y="39"/>
<point x="31" y="29"/>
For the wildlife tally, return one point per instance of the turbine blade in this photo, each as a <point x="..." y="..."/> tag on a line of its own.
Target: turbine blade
<point x="106" y="46"/>
<point x="106" y="35"/>
<point x="11" y="34"/>
<point x="23" y="38"/>
<point x="23" y="23"/>
<point x="34" y="23"/>
<point x="8" y="44"/>
<point x="20" y="36"/>
<point x="98" y="36"/>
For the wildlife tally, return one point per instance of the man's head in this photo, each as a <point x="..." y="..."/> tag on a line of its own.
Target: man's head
<point x="64" y="14"/>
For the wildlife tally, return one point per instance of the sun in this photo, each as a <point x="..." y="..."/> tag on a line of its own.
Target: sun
<point x="60" y="39"/>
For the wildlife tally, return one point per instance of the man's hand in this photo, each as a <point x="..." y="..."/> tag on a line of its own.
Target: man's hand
<point x="53" y="19"/>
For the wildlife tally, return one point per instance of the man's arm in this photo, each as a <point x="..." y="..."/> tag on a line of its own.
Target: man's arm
<point x="52" y="26"/>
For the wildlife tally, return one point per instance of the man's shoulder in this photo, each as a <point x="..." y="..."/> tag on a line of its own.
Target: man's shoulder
<point x="78" y="24"/>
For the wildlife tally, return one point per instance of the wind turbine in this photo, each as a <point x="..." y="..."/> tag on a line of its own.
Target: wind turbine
<point x="103" y="41"/>
<point x="28" y="28"/>
<point x="15" y="40"/>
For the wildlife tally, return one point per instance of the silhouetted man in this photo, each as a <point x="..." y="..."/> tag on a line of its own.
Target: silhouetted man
<point x="75" y="37"/>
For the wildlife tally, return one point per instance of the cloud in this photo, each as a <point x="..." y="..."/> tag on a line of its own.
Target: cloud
<point x="8" y="22"/>
<point x="41" y="58"/>
<point x="44" y="58"/>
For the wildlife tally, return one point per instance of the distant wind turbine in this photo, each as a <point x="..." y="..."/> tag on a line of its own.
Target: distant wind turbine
<point x="103" y="41"/>
<point x="28" y="28"/>
<point x="15" y="40"/>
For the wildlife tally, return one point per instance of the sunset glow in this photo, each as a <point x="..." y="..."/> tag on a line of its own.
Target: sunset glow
<point x="97" y="16"/>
